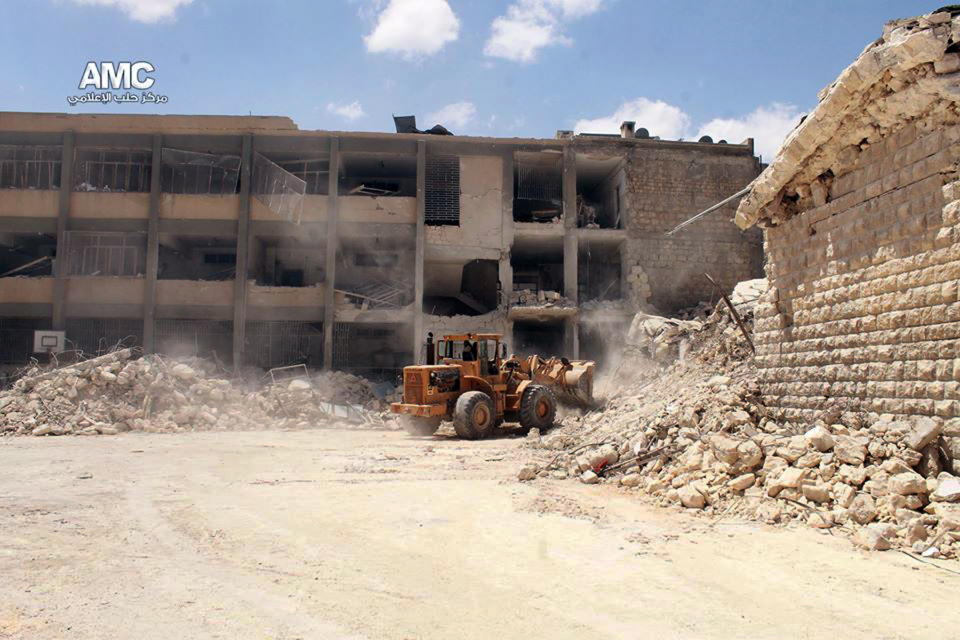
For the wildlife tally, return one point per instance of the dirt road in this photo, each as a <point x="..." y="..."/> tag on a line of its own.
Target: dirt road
<point x="340" y="534"/>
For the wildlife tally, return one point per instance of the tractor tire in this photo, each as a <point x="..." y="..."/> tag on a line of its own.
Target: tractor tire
<point x="538" y="407"/>
<point x="474" y="415"/>
<point x="419" y="426"/>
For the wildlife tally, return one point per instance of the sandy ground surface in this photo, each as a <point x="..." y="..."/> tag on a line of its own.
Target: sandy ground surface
<point x="345" y="534"/>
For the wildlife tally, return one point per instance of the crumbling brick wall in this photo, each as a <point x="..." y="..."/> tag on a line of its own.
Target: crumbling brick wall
<point x="863" y="309"/>
<point x="668" y="186"/>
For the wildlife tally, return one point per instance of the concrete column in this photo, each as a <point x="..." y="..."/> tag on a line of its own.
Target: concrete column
<point x="506" y="234"/>
<point x="418" y="337"/>
<point x="333" y="204"/>
<point x="570" y="244"/>
<point x="153" y="249"/>
<point x="571" y="337"/>
<point x="243" y="253"/>
<point x="63" y="215"/>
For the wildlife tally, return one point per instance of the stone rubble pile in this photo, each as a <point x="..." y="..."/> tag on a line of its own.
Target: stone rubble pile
<point x="542" y="298"/>
<point x="696" y="434"/>
<point x="121" y="392"/>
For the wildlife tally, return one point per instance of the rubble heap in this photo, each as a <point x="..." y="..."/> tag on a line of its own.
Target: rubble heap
<point x="123" y="392"/>
<point x="695" y="433"/>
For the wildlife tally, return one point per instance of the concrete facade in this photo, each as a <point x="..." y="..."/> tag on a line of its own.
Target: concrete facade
<point x="544" y="236"/>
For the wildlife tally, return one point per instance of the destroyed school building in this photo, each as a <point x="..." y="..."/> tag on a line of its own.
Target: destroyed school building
<point x="251" y="241"/>
<point x="861" y="209"/>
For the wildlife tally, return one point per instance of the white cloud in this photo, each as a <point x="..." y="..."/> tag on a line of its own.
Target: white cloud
<point x="413" y="28"/>
<point x="142" y="10"/>
<point x="530" y="25"/>
<point x="767" y="125"/>
<point x="656" y="116"/>
<point x="350" y="111"/>
<point x="456" y="115"/>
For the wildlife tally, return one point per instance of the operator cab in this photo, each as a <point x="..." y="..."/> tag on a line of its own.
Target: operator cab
<point x="471" y="347"/>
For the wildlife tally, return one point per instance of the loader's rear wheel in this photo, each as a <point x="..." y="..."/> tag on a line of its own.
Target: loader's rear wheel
<point x="419" y="426"/>
<point x="474" y="415"/>
<point x="538" y="407"/>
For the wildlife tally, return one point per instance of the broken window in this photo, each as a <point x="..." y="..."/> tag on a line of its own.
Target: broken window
<point x="183" y="257"/>
<point x="16" y="340"/>
<point x="112" y="170"/>
<point x="211" y="339"/>
<point x="537" y="187"/>
<point x="377" y="351"/>
<point x="96" y="336"/>
<point x="314" y="172"/>
<point x="27" y="254"/>
<point x="278" y="189"/>
<point x="442" y="186"/>
<point x="283" y="342"/>
<point x="538" y="337"/>
<point x="376" y="259"/>
<point x="537" y="271"/>
<point x="455" y="288"/>
<point x="106" y="253"/>
<point x="368" y="174"/>
<point x="375" y="272"/>
<point x="198" y="173"/>
<point x="599" y="271"/>
<point x="289" y="262"/>
<point x="600" y="189"/>
<point x="29" y="167"/>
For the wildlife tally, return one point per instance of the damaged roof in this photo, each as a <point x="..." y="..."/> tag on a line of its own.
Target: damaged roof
<point x="912" y="72"/>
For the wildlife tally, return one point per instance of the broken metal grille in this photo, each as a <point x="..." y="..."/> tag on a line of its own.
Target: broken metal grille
<point x="315" y="173"/>
<point x="106" y="253"/>
<point x="538" y="183"/>
<point x="278" y="189"/>
<point x="30" y="167"/>
<point x="203" y="338"/>
<point x="342" y="337"/>
<point x="112" y="170"/>
<point x="198" y="173"/>
<point x="96" y="336"/>
<point x="442" y="185"/>
<point x="285" y="342"/>
<point x="16" y="338"/>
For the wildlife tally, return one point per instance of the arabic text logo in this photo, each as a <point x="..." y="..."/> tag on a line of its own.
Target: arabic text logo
<point x="107" y="77"/>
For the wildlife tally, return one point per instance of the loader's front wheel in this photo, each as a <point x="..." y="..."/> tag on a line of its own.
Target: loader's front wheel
<point x="418" y="425"/>
<point x="474" y="416"/>
<point x="538" y="407"/>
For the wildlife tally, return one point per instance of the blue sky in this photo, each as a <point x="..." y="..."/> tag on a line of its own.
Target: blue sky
<point x="505" y="68"/>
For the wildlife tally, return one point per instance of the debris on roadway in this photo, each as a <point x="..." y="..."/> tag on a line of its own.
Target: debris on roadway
<point x="684" y="424"/>
<point x="121" y="391"/>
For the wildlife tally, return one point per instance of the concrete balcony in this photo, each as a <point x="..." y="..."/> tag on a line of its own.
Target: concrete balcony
<point x="105" y="296"/>
<point x="28" y="203"/>
<point x="182" y="206"/>
<point x="28" y="297"/>
<point x="394" y="209"/>
<point x="284" y="303"/>
<point x="116" y="205"/>
<point x="314" y="210"/>
<point x="195" y="299"/>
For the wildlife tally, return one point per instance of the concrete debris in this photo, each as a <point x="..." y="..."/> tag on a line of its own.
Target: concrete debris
<point x="694" y="432"/>
<point x="121" y="392"/>
<point x="530" y="298"/>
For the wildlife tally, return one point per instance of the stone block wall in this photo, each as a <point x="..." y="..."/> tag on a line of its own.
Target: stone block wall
<point x="668" y="186"/>
<point x="863" y="310"/>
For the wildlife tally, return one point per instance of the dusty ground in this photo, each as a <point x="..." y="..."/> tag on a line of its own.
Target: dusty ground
<point x="330" y="534"/>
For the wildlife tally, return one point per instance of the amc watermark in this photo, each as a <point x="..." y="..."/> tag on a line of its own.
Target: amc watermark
<point x="108" y="77"/>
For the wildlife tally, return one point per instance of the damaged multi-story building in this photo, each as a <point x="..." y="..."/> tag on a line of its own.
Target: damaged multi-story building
<point x="251" y="241"/>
